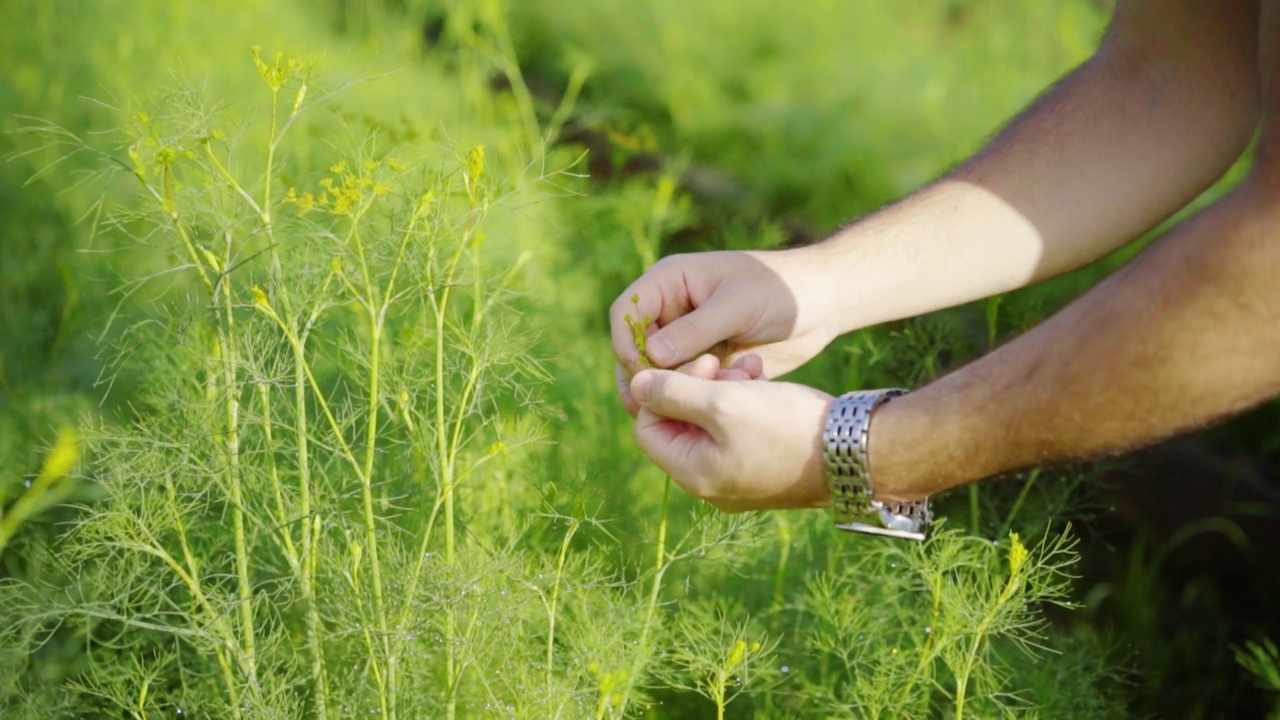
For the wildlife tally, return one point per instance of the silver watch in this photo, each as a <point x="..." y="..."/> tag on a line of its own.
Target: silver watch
<point x="853" y="501"/>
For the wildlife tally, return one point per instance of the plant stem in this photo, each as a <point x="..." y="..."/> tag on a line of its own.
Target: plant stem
<point x="555" y="600"/>
<point x="1017" y="503"/>
<point x="446" y="460"/>
<point x="511" y="68"/>
<point x="973" y="509"/>
<point x="784" y="553"/>
<point x="962" y="678"/>
<point x="231" y="447"/>
<point x="659" y="569"/>
<point x="310" y="533"/>
<point x="927" y="653"/>
<point x="446" y="489"/>
<point x="376" y="313"/>
<point x="371" y="530"/>
<point x="310" y="538"/>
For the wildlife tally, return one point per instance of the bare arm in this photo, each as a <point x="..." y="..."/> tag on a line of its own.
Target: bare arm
<point x="1187" y="333"/>
<point x="1159" y="113"/>
<point x="1168" y="102"/>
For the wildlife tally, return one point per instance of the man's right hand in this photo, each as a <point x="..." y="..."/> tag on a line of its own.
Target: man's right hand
<point x="777" y="305"/>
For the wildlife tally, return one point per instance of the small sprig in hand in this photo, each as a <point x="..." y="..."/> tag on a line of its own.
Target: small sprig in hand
<point x="638" y="324"/>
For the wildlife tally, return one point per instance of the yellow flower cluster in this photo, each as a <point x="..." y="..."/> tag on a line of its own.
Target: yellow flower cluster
<point x="343" y="191"/>
<point x="276" y="74"/>
<point x="639" y="337"/>
<point x="1018" y="554"/>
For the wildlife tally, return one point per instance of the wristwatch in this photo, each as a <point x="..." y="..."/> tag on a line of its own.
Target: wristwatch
<point x="853" y="500"/>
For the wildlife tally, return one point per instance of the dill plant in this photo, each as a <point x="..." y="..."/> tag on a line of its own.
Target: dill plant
<point x="946" y="629"/>
<point x="280" y="528"/>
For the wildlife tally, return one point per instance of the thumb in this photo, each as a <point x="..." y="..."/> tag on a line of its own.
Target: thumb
<point x="690" y="335"/>
<point x="674" y="395"/>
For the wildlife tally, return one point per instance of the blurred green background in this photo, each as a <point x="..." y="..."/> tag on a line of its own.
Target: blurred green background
<point x="700" y="124"/>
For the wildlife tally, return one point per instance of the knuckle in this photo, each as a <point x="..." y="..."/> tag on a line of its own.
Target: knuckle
<point x="670" y="262"/>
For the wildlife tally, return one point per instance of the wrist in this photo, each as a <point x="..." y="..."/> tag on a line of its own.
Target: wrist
<point x="918" y="449"/>
<point x="823" y="295"/>
<point x="858" y="275"/>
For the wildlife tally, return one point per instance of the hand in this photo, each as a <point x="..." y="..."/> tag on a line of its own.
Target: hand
<point x="738" y="444"/>
<point x="772" y="304"/>
<point x="705" y="367"/>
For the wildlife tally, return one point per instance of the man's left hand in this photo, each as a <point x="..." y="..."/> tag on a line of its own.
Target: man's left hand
<point x="738" y="444"/>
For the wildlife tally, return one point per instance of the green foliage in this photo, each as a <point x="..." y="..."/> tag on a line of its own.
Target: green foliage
<point x="942" y="632"/>
<point x="1262" y="661"/>
<point x="338" y="351"/>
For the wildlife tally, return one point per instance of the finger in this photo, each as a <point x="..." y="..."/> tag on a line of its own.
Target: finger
<point x="688" y="335"/>
<point x="777" y="359"/>
<point x="623" y="380"/>
<point x="679" y="397"/>
<point x="752" y="365"/>
<point x="704" y="367"/>
<point x="681" y="449"/>
<point x="733" y="374"/>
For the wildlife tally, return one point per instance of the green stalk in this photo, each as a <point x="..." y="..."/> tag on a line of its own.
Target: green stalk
<point x="1006" y="594"/>
<point x="973" y="509"/>
<point x="441" y="307"/>
<point x="784" y="553"/>
<point x="962" y="679"/>
<point x="659" y="569"/>
<point x="392" y="644"/>
<point x="446" y="489"/>
<point x="719" y="693"/>
<point x="1017" y="503"/>
<point x="231" y="403"/>
<point x="926" y="653"/>
<point x="310" y="537"/>
<point x="387" y="694"/>
<point x="308" y="565"/>
<point x="555" y="601"/>
<point x="193" y="574"/>
<point x="511" y="68"/>
<point x="286" y="534"/>
<point x="299" y="561"/>
<point x="370" y="524"/>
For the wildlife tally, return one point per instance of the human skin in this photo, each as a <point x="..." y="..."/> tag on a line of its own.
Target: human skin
<point x="1181" y="337"/>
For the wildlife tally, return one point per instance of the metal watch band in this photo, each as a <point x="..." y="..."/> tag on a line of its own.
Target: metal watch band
<point x="844" y="441"/>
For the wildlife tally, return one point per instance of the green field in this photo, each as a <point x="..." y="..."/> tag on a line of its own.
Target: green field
<point x="307" y="403"/>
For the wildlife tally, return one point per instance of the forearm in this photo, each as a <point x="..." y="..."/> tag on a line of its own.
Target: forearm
<point x="1111" y="151"/>
<point x="1184" y="335"/>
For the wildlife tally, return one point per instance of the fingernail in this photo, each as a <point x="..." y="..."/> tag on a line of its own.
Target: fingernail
<point x="640" y="386"/>
<point x="660" y="350"/>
